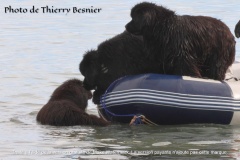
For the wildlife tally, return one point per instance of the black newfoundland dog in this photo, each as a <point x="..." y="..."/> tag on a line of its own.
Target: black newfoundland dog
<point x="196" y="46"/>
<point x="67" y="105"/>
<point x="119" y="56"/>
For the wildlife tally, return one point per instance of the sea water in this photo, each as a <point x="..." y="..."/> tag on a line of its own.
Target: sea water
<point x="41" y="48"/>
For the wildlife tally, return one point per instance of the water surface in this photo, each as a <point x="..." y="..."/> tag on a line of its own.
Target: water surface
<point x="41" y="50"/>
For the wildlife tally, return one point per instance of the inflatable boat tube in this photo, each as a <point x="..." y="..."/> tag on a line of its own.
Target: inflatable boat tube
<point x="170" y="99"/>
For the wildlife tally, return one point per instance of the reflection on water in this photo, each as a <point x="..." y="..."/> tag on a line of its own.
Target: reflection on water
<point x="123" y="142"/>
<point x="40" y="51"/>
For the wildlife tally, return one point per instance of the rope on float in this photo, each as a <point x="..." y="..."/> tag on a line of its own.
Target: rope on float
<point x="141" y="119"/>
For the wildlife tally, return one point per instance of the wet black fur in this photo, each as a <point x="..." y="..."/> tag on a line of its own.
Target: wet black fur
<point x="196" y="46"/>
<point x="122" y="55"/>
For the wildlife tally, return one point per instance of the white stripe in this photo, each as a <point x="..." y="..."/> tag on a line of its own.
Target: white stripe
<point x="200" y="108"/>
<point x="164" y="92"/>
<point x="153" y="95"/>
<point x="176" y="100"/>
<point x="162" y="99"/>
<point x="149" y="101"/>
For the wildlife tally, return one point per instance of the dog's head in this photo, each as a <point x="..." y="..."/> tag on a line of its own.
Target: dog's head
<point x="145" y="16"/>
<point x="90" y="68"/>
<point x="79" y="94"/>
<point x="142" y="15"/>
<point x="73" y="91"/>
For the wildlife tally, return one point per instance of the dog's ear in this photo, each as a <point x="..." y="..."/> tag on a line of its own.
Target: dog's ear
<point x="90" y="68"/>
<point x="149" y="17"/>
<point x="89" y="59"/>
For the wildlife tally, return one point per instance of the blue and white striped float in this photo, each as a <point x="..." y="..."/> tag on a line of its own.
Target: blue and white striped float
<point x="170" y="99"/>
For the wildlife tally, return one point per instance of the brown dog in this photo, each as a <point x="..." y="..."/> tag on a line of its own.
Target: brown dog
<point x="67" y="105"/>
